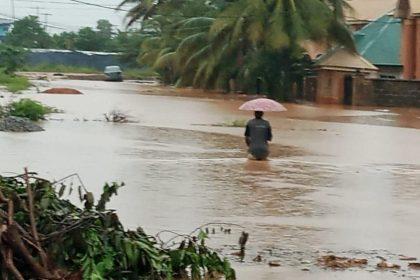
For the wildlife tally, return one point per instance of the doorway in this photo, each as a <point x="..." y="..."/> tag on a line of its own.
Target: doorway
<point x="348" y="90"/>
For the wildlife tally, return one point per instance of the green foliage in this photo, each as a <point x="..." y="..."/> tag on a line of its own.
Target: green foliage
<point x="142" y="73"/>
<point x="88" y="40"/>
<point x="13" y="83"/>
<point x="27" y="108"/>
<point x="65" y="40"/>
<point x="60" y="68"/>
<point x="235" y="123"/>
<point x="11" y="58"/>
<point x="91" y="242"/>
<point x="207" y="44"/>
<point x="28" y="33"/>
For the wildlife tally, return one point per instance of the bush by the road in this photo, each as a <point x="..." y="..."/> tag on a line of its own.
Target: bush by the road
<point x="13" y="83"/>
<point x="11" y="58"/>
<point x="27" y="108"/>
<point x="45" y="236"/>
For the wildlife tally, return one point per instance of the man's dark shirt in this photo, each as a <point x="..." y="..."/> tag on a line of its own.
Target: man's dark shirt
<point x="258" y="133"/>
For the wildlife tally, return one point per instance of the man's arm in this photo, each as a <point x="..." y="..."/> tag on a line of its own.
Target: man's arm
<point x="269" y="134"/>
<point x="247" y="135"/>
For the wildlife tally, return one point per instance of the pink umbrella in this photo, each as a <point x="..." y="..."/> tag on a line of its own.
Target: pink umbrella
<point x="262" y="104"/>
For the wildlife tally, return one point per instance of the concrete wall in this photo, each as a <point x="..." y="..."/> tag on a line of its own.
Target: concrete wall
<point x="400" y="93"/>
<point x="72" y="58"/>
<point x="366" y="91"/>
<point x="393" y="72"/>
<point x="330" y="87"/>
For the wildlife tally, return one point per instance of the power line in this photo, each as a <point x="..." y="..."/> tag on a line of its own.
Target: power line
<point x="46" y="2"/>
<point x="12" y="5"/>
<point x="98" y="5"/>
<point x="49" y="25"/>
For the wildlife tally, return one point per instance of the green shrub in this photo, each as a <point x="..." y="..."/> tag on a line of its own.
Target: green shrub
<point x="27" y="108"/>
<point x="60" y="68"/>
<point x="11" y="58"/>
<point x="13" y="83"/>
<point x="234" y="123"/>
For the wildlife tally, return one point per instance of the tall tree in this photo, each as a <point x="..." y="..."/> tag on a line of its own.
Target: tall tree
<point x="88" y="40"/>
<point x="28" y="33"/>
<point x="242" y="40"/>
<point x="65" y="40"/>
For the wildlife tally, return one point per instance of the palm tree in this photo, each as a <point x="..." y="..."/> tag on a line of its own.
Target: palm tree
<point x="267" y="31"/>
<point x="203" y="44"/>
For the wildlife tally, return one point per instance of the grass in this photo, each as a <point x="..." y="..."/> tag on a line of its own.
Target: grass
<point x="139" y="73"/>
<point x="60" y="68"/>
<point x="234" y="123"/>
<point x="27" y="108"/>
<point x="14" y="83"/>
<point x="129" y="73"/>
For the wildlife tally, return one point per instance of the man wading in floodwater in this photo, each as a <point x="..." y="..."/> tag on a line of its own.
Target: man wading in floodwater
<point x="257" y="136"/>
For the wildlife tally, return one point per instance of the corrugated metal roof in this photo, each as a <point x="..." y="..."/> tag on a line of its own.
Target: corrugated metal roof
<point x="340" y="58"/>
<point x="380" y="41"/>
<point x="72" y="51"/>
<point x="5" y="21"/>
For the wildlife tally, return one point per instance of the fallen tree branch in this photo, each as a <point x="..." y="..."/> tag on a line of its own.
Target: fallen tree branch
<point x="42" y="254"/>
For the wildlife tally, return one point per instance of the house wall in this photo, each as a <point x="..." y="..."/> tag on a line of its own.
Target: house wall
<point x="373" y="92"/>
<point x="395" y="72"/>
<point x="330" y="87"/>
<point x="310" y="88"/>
<point x="410" y="48"/>
<point x="400" y="93"/>
<point x="417" y="47"/>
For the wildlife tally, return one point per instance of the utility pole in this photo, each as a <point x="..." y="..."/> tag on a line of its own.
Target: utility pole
<point x="45" y="19"/>
<point x="12" y="5"/>
<point x="37" y="10"/>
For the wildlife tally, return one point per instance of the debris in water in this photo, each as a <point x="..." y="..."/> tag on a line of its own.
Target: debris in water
<point x="243" y="239"/>
<point x="405" y="258"/>
<point x="386" y="265"/>
<point x="331" y="261"/>
<point x="305" y="269"/>
<point x="258" y="258"/>
<point x="116" y="117"/>
<point x="414" y="265"/>
<point x="274" y="263"/>
<point x="227" y="231"/>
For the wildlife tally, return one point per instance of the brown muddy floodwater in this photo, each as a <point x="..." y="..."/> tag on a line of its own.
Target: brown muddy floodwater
<point x="339" y="181"/>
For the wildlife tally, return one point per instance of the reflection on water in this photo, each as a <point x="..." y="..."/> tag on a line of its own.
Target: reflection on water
<point x="295" y="206"/>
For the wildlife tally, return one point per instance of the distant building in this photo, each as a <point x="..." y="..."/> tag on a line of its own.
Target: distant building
<point x="385" y="71"/>
<point x="409" y="12"/>
<point x="336" y="72"/>
<point x="5" y="25"/>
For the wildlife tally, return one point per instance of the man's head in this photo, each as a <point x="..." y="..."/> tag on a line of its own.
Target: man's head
<point x="258" y="114"/>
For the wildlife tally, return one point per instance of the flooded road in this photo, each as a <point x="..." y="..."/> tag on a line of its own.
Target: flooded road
<point x="338" y="182"/>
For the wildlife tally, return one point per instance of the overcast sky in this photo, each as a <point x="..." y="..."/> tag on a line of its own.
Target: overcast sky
<point x="65" y="14"/>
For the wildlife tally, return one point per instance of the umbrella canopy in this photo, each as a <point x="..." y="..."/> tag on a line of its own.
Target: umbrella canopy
<point x="262" y="104"/>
